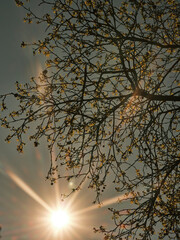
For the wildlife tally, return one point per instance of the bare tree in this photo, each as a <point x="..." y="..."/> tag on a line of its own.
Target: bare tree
<point x="108" y="101"/>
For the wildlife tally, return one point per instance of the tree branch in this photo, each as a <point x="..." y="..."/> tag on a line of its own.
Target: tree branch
<point x="155" y="97"/>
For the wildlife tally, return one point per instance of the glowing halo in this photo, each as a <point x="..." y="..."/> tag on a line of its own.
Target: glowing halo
<point x="60" y="219"/>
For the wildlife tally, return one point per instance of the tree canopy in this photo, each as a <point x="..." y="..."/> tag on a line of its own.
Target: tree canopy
<point x="108" y="102"/>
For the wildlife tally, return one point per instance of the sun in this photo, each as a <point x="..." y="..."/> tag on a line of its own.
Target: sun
<point x="60" y="219"/>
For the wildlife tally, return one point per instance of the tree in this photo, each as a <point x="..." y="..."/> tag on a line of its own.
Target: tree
<point x="108" y="101"/>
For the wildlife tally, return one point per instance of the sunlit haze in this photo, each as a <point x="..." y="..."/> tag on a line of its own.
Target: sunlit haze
<point x="60" y="219"/>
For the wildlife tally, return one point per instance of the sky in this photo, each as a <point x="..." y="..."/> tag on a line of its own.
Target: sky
<point x="25" y="195"/>
<point x="27" y="200"/>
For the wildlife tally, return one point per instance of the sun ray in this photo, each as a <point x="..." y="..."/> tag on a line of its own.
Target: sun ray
<point x="20" y="183"/>
<point x="76" y="193"/>
<point x="57" y="185"/>
<point x="78" y="216"/>
<point x="105" y="203"/>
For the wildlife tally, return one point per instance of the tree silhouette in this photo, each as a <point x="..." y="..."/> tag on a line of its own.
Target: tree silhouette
<point x="108" y="101"/>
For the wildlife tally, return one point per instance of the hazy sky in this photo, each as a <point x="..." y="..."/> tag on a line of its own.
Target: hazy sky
<point x="25" y="195"/>
<point x="21" y="216"/>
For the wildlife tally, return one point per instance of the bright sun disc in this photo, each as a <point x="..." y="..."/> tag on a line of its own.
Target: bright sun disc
<point x="60" y="219"/>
